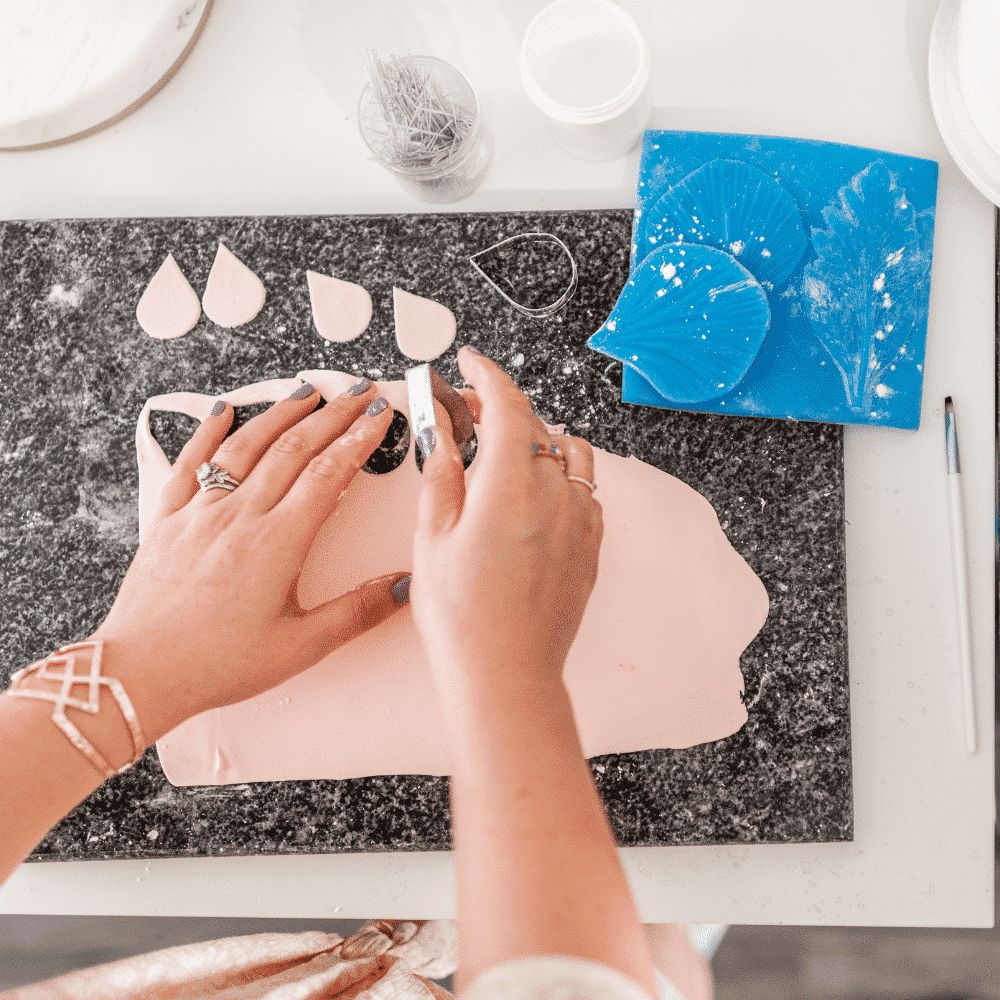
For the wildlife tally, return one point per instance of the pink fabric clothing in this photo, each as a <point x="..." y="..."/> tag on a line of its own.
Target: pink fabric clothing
<point x="385" y="960"/>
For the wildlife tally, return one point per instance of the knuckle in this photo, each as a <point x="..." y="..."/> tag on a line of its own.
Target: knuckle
<point x="292" y="442"/>
<point x="580" y="448"/>
<point x="363" y="610"/>
<point x="326" y="465"/>
<point x="232" y="449"/>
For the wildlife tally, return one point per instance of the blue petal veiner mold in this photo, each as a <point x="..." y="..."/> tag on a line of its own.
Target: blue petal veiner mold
<point x="690" y="320"/>
<point x="796" y="374"/>
<point x="730" y="205"/>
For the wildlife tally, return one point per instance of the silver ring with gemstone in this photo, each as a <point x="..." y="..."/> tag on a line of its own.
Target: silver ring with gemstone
<point x="213" y="477"/>
<point x="552" y="451"/>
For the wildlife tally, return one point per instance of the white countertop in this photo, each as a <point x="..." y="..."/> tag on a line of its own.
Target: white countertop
<point x="260" y="120"/>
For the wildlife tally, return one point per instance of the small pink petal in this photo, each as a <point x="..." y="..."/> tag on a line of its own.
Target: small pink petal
<point x="169" y="306"/>
<point x="341" y="309"/>
<point x="425" y="329"/>
<point x="233" y="293"/>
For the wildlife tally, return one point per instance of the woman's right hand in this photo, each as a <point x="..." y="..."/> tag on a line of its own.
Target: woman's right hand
<point x="503" y="570"/>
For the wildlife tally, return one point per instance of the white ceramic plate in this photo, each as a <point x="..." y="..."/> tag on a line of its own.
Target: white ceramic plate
<point x="69" y="68"/>
<point x="973" y="154"/>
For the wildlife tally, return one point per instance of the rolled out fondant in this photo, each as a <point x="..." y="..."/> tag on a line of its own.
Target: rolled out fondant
<point x="655" y="664"/>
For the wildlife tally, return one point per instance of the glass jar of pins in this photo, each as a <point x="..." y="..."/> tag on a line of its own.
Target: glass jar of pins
<point x="420" y="118"/>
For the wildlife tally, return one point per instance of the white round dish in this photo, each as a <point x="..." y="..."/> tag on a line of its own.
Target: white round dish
<point x="977" y="43"/>
<point x="965" y="139"/>
<point x="71" y="67"/>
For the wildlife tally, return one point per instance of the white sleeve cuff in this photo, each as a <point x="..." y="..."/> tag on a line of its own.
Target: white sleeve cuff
<point x="559" y="977"/>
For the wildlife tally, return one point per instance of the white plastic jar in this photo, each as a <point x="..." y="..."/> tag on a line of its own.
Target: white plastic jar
<point x="585" y="65"/>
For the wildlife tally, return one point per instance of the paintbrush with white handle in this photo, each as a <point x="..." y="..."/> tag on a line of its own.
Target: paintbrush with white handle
<point x="956" y="523"/>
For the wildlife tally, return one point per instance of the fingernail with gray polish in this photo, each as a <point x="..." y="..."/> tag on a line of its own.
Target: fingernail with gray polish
<point x="377" y="405"/>
<point x="218" y="409"/>
<point x="401" y="591"/>
<point x="359" y="388"/>
<point x="304" y="391"/>
<point x="426" y="441"/>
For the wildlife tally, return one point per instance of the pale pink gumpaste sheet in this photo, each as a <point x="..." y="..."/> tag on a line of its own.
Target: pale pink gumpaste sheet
<point x="656" y="662"/>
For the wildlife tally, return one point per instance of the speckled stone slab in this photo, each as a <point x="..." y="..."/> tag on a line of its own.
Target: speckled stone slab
<point x="77" y="368"/>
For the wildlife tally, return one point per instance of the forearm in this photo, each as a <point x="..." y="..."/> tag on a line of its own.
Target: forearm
<point x="538" y="869"/>
<point x="42" y="774"/>
<point x="42" y="777"/>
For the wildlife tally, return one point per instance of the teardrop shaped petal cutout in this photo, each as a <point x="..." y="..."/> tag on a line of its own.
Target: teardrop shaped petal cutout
<point x="425" y="329"/>
<point x="233" y="293"/>
<point x="169" y="306"/>
<point x="341" y="309"/>
<point x="690" y="319"/>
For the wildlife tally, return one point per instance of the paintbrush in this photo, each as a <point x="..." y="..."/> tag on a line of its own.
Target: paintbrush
<point x="960" y="573"/>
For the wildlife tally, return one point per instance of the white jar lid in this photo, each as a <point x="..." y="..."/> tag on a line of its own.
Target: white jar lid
<point x="583" y="61"/>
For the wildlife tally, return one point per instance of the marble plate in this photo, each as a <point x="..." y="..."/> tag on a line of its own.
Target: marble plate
<point x="68" y="69"/>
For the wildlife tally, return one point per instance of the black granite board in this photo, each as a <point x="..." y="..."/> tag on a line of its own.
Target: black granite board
<point x="76" y="369"/>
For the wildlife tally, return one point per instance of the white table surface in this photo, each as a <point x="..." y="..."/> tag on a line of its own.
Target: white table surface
<point x="260" y="120"/>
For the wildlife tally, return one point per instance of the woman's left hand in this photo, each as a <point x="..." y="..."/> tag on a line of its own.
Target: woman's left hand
<point x="207" y="614"/>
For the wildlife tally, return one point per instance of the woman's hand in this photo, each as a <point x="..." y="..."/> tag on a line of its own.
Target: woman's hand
<point x="207" y="614"/>
<point x="503" y="571"/>
<point x="501" y="576"/>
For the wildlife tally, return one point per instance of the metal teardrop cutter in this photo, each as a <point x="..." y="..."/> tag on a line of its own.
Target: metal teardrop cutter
<point x="540" y="311"/>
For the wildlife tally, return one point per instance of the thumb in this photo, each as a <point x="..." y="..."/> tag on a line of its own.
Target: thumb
<point x="442" y="491"/>
<point x="343" y="618"/>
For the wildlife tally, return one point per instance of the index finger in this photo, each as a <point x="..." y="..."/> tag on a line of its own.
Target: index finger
<point x="507" y="423"/>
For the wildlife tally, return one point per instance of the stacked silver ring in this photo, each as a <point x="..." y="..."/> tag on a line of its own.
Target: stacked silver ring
<point x="213" y="477"/>
<point x="556" y="454"/>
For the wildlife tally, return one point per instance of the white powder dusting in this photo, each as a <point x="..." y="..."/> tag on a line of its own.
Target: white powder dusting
<point x="668" y="270"/>
<point x="765" y="252"/>
<point x="886" y="301"/>
<point x="882" y="391"/>
<point x="660" y="292"/>
<point x="611" y="325"/>
<point x="879" y="283"/>
<point x="895" y="257"/>
<point x="678" y="282"/>
<point x="70" y="298"/>
<point x="517" y="360"/>
<point x="737" y="247"/>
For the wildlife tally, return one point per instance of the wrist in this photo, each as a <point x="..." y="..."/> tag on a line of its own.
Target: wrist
<point x="497" y="685"/>
<point x="71" y="698"/>
<point x="159" y="706"/>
